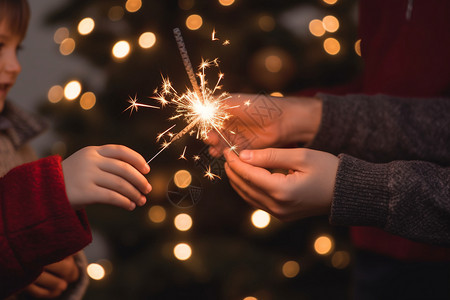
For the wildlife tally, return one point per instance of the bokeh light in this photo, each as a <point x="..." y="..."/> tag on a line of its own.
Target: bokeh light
<point x="194" y="22"/>
<point x="260" y="219"/>
<point x="61" y="34"/>
<point x="266" y="23"/>
<point x="183" y="222"/>
<point x="290" y="269"/>
<point x="186" y="4"/>
<point x="250" y="298"/>
<point x="316" y="27"/>
<point x="226" y="2"/>
<point x="86" y="26"/>
<point x="276" y="94"/>
<point x="121" y="49"/>
<point x="88" y="100"/>
<point x="133" y="5"/>
<point x="332" y="46"/>
<point x="72" y="90"/>
<point x="106" y="264"/>
<point x="55" y="94"/>
<point x="147" y="40"/>
<point x="358" y="47"/>
<point x="95" y="271"/>
<point x="157" y="214"/>
<point x="330" y="23"/>
<point x="182" y="251"/>
<point x="182" y="179"/>
<point x="273" y="63"/>
<point x="67" y="46"/>
<point x="340" y="259"/>
<point x="116" y="13"/>
<point x="323" y="245"/>
<point x="330" y="2"/>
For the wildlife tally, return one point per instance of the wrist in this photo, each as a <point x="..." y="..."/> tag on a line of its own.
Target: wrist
<point x="303" y="120"/>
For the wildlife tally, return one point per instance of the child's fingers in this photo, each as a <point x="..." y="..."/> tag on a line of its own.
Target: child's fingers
<point x="111" y="197"/>
<point x="119" y="185"/>
<point x="125" y="154"/>
<point x="127" y="172"/>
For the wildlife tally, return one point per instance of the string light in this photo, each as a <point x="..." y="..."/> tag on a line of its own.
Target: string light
<point x="290" y="269"/>
<point x="182" y="179"/>
<point x="88" y="101"/>
<point x="95" y="271"/>
<point x="323" y="245"/>
<point x="332" y="46"/>
<point x="67" y="46"/>
<point x="72" y="90"/>
<point x="316" y="27"/>
<point x="121" y="49"/>
<point x="226" y="2"/>
<point x="55" y="94"/>
<point x="260" y="219"/>
<point x="182" y="251"/>
<point x="157" y="214"/>
<point x="250" y="298"/>
<point x="330" y="2"/>
<point x="273" y="63"/>
<point x="277" y="94"/>
<point x="340" y="259"/>
<point x="60" y="35"/>
<point x="86" y="26"/>
<point x="358" y="47"/>
<point x="133" y="5"/>
<point x="330" y="23"/>
<point x="183" y="222"/>
<point x="147" y="40"/>
<point x="194" y="22"/>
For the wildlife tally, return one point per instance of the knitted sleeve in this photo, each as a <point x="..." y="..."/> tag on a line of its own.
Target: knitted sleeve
<point x="381" y="128"/>
<point x="37" y="224"/>
<point x="406" y="198"/>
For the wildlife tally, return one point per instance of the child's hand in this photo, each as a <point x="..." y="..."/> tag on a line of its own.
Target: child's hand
<point x="55" y="279"/>
<point x="306" y="190"/>
<point x="110" y="174"/>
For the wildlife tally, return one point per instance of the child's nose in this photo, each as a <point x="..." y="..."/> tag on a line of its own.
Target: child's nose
<point x="13" y="65"/>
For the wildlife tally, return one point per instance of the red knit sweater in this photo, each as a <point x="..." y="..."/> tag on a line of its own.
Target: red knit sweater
<point x="37" y="224"/>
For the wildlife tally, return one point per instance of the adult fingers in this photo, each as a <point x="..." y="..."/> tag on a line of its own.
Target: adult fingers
<point x="125" y="154"/>
<point x="274" y="157"/>
<point x="127" y="172"/>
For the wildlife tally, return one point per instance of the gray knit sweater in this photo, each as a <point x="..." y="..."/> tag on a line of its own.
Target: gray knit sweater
<point x="394" y="170"/>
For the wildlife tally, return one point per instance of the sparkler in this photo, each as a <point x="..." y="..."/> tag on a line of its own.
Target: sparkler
<point x="200" y="107"/>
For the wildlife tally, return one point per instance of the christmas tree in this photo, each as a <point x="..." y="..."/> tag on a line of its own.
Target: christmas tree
<point x="196" y="238"/>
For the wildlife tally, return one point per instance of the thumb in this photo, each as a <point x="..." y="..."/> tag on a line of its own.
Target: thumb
<point x="271" y="158"/>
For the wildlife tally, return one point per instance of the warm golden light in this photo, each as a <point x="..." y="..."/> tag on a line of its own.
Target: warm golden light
<point x="182" y="251"/>
<point x="316" y="27"/>
<point x="183" y="222"/>
<point x="330" y="23"/>
<point x="147" y="40"/>
<point x="340" y="259"/>
<point x="186" y="4"/>
<point x="95" y="271"/>
<point x="250" y="298"/>
<point x="194" y="22"/>
<point x="273" y="63"/>
<point x="332" y="46"/>
<point x="72" y="90"/>
<point x="115" y="13"/>
<point x="358" y="47"/>
<point x="133" y="5"/>
<point x="60" y="35"/>
<point x="121" y="49"/>
<point x="277" y="94"/>
<point x="323" y="245"/>
<point x="226" y="2"/>
<point x="290" y="269"/>
<point x="55" y="94"/>
<point x="260" y="219"/>
<point x="266" y="23"/>
<point x="182" y="179"/>
<point x="88" y="100"/>
<point x="86" y="26"/>
<point x="330" y="2"/>
<point x="157" y="214"/>
<point x="67" y="46"/>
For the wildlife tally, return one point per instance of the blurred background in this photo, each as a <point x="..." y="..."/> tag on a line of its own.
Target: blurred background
<point x="195" y="238"/>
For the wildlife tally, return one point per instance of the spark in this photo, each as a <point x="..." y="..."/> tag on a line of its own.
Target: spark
<point x="182" y="155"/>
<point x="210" y="175"/>
<point x="196" y="157"/>
<point x="226" y="42"/>
<point x="163" y="133"/>
<point x="134" y="105"/>
<point x="213" y="36"/>
<point x="247" y="103"/>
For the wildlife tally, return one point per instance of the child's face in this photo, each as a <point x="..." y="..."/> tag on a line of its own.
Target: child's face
<point x="9" y="64"/>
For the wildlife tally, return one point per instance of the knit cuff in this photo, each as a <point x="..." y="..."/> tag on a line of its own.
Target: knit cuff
<point x="361" y="195"/>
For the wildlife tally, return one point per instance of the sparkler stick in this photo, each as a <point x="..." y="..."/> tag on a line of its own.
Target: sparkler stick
<point x="186" y="61"/>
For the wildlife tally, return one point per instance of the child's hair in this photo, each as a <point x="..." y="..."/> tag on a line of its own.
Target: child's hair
<point x="16" y="14"/>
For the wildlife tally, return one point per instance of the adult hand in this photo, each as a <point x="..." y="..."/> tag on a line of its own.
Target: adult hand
<point x="110" y="174"/>
<point x="305" y="189"/>
<point x="261" y="121"/>
<point x="55" y="279"/>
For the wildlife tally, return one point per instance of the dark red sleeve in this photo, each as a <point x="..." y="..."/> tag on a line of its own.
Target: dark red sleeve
<point x="37" y="224"/>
